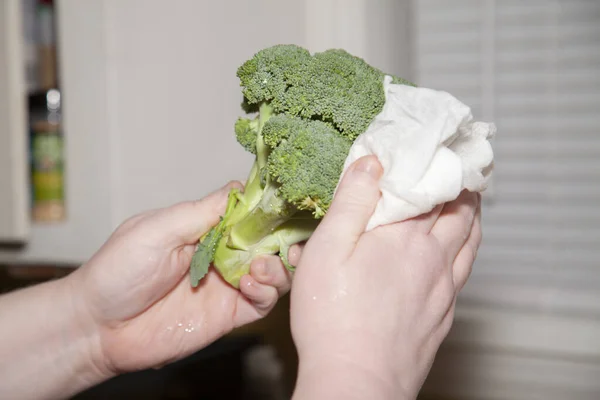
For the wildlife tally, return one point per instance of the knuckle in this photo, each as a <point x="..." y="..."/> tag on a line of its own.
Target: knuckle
<point x="351" y="205"/>
<point x="420" y="241"/>
<point x="266" y="304"/>
<point x="129" y="224"/>
<point x="422" y="245"/>
<point x="477" y="234"/>
<point x="198" y="205"/>
<point x="190" y="206"/>
<point x="467" y="213"/>
<point x="357" y="197"/>
<point x="462" y="272"/>
<point x="474" y="251"/>
<point x="447" y="322"/>
<point x="467" y="206"/>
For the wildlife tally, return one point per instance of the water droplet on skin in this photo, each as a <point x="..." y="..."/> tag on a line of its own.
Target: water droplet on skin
<point x="342" y="288"/>
<point x="314" y="297"/>
<point x="187" y="327"/>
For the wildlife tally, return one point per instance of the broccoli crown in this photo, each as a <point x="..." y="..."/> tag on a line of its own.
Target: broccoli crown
<point x="333" y="86"/>
<point x="317" y="105"/>
<point x="306" y="161"/>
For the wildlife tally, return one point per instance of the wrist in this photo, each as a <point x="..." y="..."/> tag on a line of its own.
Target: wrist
<point x="332" y="376"/>
<point x="49" y="349"/>
<point x="84" y="334"/>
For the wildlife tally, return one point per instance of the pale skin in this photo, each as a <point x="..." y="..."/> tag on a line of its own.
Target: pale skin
<point x="371" y="315"/>
<point x="131" y="306"/>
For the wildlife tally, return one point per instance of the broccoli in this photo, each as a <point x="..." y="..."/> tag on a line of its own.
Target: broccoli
<point x="304" y="112"/>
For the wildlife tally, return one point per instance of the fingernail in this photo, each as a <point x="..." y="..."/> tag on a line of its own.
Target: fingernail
<point x="293" y="252"/>
<point x="369" y="165"/>
<point x="263" y="268"/>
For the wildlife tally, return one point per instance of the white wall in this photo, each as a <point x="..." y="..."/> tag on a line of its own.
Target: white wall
<point x="174" y="96"/>
<point x="376" y="30"/>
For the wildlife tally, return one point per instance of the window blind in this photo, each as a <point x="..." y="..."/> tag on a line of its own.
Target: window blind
<point x="533" y="68"/>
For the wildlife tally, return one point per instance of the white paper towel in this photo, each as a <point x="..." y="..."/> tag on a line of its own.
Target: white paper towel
<point x="430" y="150"/>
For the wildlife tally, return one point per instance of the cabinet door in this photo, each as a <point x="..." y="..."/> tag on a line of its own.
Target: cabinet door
<point x="14" y="199"/>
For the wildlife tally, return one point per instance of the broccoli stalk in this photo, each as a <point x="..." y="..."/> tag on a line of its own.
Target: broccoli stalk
<point x="256" y="222"/>
<point x="310" y="110"/>
<point x="260" y="210"/>
<point x="233" y="263"/>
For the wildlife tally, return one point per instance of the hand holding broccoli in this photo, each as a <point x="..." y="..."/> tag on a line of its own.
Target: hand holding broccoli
<point x="136" y="296"/>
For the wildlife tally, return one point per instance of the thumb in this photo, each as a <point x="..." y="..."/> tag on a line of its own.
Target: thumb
<point x="186" y="222"/>
<point x="354" y="202"/>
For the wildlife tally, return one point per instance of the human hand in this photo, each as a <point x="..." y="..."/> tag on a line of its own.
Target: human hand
<point x="140" y="309"/>
<point x="370" y="310"/>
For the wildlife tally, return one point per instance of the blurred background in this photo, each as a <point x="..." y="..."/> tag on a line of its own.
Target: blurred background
<point x="109" y="108"/>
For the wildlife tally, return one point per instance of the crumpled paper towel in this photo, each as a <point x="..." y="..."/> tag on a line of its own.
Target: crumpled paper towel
<point x="430" y="150"/>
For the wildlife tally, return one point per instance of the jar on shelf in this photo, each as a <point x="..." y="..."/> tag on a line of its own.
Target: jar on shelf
<point x="47" y="157"/>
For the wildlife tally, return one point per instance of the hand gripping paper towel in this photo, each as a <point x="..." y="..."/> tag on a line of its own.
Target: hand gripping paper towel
<point x="430" y="149"/>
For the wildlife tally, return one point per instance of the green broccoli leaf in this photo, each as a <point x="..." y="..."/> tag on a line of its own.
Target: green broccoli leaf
<point x="204" y="254"/>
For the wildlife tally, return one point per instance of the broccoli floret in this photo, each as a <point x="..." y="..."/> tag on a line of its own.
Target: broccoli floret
<point x="267" y="75"/>
<point x="310" y="110"/>
<point x="246" y="131"/>
<point x="307" y="158"/>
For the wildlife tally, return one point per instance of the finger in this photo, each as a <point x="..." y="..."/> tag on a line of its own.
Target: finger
<point x="463" y="265"/>
<point x="425" y="222"/>
<point x="295" y="253"/>
<point x="353" y="205"/>
<point x="263" y="297"/>
<point x="186" y="222"/>
<point x="270" y="271"/>
<point x="453" y="226"/>
<point x="422" y="223"/>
